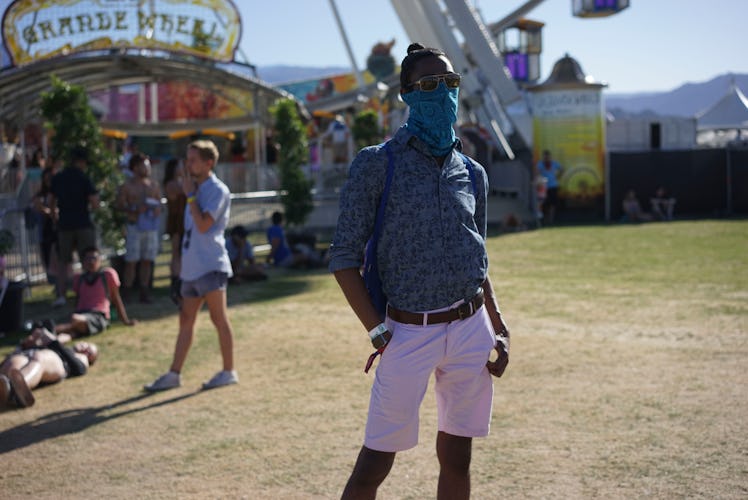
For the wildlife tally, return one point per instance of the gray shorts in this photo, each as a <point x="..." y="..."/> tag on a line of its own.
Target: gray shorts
<point x="206" y="283"/>
<point x="96" y="321"/>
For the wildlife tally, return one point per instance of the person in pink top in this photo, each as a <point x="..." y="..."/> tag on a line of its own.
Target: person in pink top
<point x="97" y="289"/>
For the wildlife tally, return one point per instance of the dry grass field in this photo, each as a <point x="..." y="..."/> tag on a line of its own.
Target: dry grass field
<point x="628" y="379"/>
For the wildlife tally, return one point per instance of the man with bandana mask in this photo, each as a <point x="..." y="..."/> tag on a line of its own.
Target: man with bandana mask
<point x="442" y="315"/>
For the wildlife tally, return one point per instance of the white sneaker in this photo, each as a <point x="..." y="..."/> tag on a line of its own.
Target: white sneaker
<point x="168" y="380"/>
<point x="59" y="302"/>
<point x="222" y="378"/>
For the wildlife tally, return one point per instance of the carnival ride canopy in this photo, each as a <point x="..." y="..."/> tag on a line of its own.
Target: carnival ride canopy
<point x="729" y="113"/>
<point x="102" y="46"/>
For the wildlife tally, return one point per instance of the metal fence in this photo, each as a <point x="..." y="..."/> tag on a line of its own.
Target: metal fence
<point x="23" y="261"/>
<point x="255" y="196"/>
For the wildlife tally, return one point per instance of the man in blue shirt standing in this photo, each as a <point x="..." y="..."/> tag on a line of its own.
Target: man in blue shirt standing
<point x="205" y="265"/>
<point x="549" y="169"/>
<point x="442" y="314"/>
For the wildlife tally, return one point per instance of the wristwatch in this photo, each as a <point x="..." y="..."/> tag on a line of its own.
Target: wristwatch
<point x="504" y="341"/>
<point x="377" y="336"/>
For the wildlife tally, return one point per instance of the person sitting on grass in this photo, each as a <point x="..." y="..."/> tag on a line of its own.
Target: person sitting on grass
<point x="632" y="210"/>
<point x="662" y="204"/>
<point x="242" y="257"/>
<point x="41" y="359"/>
<point x="300" y="256"/>
<point x="97" y="289"/>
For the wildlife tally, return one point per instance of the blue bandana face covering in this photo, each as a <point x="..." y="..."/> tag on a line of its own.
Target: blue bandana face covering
<point x="431" y="117"/>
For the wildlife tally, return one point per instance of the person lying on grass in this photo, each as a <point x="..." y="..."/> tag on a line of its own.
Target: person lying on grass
<point x="41" y="359"/>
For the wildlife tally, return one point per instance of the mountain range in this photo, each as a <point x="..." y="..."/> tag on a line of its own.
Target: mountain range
<point x="686" y="100"/>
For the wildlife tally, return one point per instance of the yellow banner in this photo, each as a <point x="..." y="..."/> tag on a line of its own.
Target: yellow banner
<point x="35" y="30"/>
<point x="569" y="123"/>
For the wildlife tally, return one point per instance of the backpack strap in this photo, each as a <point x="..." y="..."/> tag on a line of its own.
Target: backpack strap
<point x="102" y="275"/>
<point x="385" y="194"/>
<point x="371" y="269"/>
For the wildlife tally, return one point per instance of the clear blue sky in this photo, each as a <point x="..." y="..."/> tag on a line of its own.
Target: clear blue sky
<point x="654" y="45"/>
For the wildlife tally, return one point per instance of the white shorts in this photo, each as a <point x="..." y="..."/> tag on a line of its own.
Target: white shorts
<point x="140" y="245"/>
<point x="456" y="353"/>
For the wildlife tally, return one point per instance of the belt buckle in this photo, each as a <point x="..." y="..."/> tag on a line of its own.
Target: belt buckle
<point x="464" y="310"/>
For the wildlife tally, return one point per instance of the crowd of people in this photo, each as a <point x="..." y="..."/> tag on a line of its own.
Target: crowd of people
<point x="205" y="257"/>
<point x="65" y="202"/>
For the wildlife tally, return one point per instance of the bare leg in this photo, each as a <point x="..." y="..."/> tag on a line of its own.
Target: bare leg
<point x="454" y="454"/>
<point x="144" y="279"/>
<point x="187" y="318"/>
<point x="56" y="268"/>
<point x="14" y="362"/>
<point x="78" y="326"/>
<point x="216" y="301"/>
<point x="551" y="214"/>
<point x="174" y="268"/>
<point x="370" y="470"/>
<point x="129" y="278"/>
<point x="62" y="278"/>
<point x="176" y="256"/>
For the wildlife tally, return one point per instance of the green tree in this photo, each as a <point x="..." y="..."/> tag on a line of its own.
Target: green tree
<point x="294" y="152"/>
<point x="366" y="130"/>
<point x="67" y="113"/>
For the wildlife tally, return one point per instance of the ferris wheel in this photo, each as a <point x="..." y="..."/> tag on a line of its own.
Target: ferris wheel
<point x="493" y="70"/>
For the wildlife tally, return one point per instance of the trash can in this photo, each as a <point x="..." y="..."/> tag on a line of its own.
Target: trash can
<point x="11" y="308"/>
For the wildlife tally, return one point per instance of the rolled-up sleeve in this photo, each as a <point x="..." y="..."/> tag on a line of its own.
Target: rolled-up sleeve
<point x="359" y="200"/>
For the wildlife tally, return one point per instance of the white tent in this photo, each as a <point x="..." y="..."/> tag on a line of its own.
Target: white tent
<point x="729" y="113"/>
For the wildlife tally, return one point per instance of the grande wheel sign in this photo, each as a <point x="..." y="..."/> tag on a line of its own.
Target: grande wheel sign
<point x="34" y="30"/>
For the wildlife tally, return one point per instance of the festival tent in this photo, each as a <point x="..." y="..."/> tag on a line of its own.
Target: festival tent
<point x="729" y="113"/>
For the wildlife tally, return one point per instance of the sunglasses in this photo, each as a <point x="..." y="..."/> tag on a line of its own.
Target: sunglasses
<point x="429" y="83"/>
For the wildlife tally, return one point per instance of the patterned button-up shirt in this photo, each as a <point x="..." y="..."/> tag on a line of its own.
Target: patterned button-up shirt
<point x="431" y="251"/>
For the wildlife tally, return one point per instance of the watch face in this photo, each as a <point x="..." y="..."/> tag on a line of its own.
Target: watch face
<point x="379" y="341"/>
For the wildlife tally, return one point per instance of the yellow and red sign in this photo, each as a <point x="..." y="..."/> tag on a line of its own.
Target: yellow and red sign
<point x="569" y="123"/>
<point x="34" y="30"/>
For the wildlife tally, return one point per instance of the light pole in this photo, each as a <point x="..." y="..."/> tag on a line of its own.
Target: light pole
<point x="359" y="78"/>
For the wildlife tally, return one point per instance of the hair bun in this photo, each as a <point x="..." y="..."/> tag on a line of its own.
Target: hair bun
<point x="415" y="46"/>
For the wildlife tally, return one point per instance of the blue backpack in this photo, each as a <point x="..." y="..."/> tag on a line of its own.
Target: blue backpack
<point x="371" y="268"/>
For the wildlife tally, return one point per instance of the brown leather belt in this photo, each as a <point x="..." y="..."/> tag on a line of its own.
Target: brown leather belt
<point x="462" y="311"/>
